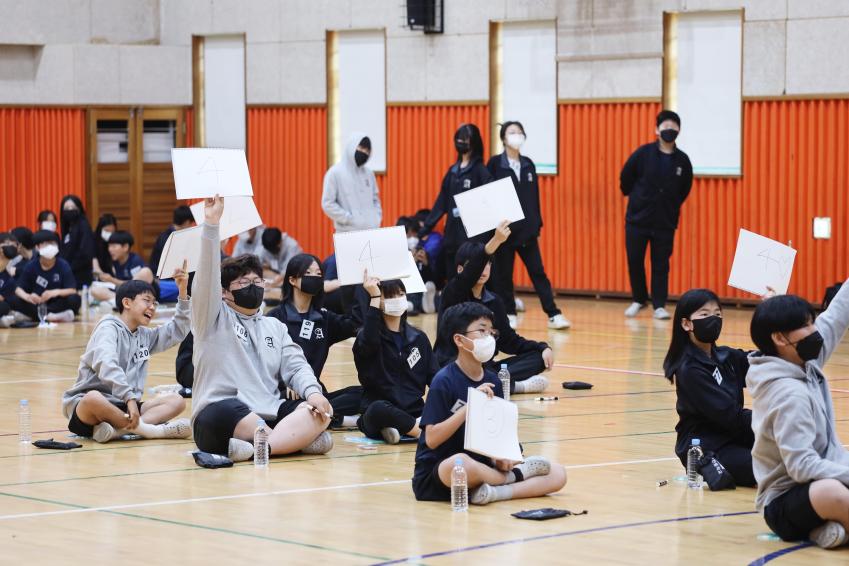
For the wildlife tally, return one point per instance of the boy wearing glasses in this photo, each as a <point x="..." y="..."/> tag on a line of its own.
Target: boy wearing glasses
<point x="244" y="360"/>
<point x="395" y="364"/>
<point x="105" y="402"/>
<point x="529" y="358"/>
<point x="470" y="328"/>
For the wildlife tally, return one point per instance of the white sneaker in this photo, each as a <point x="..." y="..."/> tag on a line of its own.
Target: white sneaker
<point x="322" y="444"/>
<point x="484" y="494"/>
<point x="180" y="428"/>
<point x="513" y="320"/>
<point x="429" y="298"/>
<point x="534" y="384"/>
<point x="20" y="317"/>
<point x="103" y="433"/>
<point x="240" y="450"/>
<point x="662" y="314"/>
<point x="634" y="309"/>
<point x="534" y="466"/>
<point x="7" y="321"/>
<point x="390" y="435"/>
<point x="520" y="304"/>
<point x="64" y="316"/>
<point x="830" y="534"/>
<point x="559" y="322"/>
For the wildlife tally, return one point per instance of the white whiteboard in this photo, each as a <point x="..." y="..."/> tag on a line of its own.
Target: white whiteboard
<point x="529" y="87"/>
<point x="362" y="91"/>
<point x="708" y="90"/>
<point x="224" y="91"/>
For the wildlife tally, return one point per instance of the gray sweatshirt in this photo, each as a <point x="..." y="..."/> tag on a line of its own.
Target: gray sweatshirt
<point x="793" y="416"/>
<point x="115" y="359"/>
<point x="250" y="358"/>
<point x="350" y="196"/>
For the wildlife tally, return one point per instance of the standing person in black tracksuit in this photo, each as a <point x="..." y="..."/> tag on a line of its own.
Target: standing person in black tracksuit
<point x="315" y="330"/>
<point x="530" y="358"/>
<point x="77" y="246"/>
<point x="525" y="236"/>
<point x="467" y="173"/>
<point x="656" y="179"/>
<point x="395" y="364"/>
<point x="709" y="382"/>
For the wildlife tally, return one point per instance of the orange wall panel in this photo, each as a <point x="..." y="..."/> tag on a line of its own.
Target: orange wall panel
<point x="42" y="158"/>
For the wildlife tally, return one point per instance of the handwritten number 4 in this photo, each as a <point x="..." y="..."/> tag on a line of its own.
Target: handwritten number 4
<point x="366" y="256"/>
<point x="209" y="166"/>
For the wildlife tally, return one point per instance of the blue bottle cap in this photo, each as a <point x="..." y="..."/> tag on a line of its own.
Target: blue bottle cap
<point x="458" y="462"/>
<point x="503" y="366"/>
<point x="24" y="402"/>
<point x="696" y="442"/>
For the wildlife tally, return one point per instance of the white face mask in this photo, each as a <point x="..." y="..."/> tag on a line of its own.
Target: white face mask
<point x="48" y="225"/>
<point x="49" y="252"/>
<point x="515" y="140"/>
<point x="105" y="234"/>
<point x="484" y="348"/>
<point x="395" y="306"/>
<point x="412" y="242"/>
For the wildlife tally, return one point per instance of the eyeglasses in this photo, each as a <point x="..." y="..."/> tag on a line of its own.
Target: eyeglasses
<point x="258" y="281"/>
<point x="484" y="332"/>
<point x="149" y="302"/>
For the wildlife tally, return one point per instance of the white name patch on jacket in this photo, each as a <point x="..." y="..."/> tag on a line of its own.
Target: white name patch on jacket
<point x="717" y="376"/>
<point x="141" y="355"/>
<point x="241" y="333"/>
<point x="414" y="357"/>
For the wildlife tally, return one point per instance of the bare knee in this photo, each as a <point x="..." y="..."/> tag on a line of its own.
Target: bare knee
<point x="558" y="477"/>
<point x="829" y="489"/>
<point x="176" y="403"/>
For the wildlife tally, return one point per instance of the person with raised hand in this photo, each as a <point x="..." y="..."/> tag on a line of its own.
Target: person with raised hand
<point x="243" y="360"/>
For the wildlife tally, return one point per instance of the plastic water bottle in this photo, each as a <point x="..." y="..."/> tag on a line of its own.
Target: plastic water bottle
<point x="165" y="389"/>
<point x="694" y="456"/>
<point x="260" y="445"/>
<point x="459" y="487"/>
<point x="504" y="376"/>
<point x="86" y="298"/>
<point x="24" y="428"/>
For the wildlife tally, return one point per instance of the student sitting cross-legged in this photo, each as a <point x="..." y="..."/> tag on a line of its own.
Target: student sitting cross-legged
<point x="395" y="364"/>
<point x="47" y="280"/>
<point x="800" y="464"/>
<point x="243" y="360"/>
<point x="443" y="423"/>
<point x="105" y="402"/>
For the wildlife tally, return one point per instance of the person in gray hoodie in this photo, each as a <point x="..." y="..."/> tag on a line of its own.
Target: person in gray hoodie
<point x="105" y="402"/>
<point x="799" y="463"/>
<point x="350" y="196"/>
<point x="244" y="361"/>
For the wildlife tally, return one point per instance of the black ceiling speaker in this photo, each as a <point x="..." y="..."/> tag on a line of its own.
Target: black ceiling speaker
<point x="425" y="15"/>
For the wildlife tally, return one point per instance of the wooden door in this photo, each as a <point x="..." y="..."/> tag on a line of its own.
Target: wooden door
<point x="130" y="169"/>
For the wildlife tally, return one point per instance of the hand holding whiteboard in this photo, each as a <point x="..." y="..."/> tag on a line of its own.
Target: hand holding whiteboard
<point x="182" y="245"/>
<point x="485" y="207"/>
<point x="206" y="172"/>
<point x="492" y="427"/>
<point x="760" y="263"/>
<point x="382" y="251"/>
<point x="240" y="214"/>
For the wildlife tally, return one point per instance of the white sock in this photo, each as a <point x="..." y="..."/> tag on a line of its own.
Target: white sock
<point x="148" y="430"/>
<point x="350" y="421"/>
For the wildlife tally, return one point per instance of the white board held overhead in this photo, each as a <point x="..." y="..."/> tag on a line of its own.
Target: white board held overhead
<point x="760" y="263"/>
<point x="492" y="427"/>
<point x="383" y="251"/>
<point x="206" y="172"/>
<point x="180" y="245"/>
<point x="240" y="214"/>
<point x="484" y="208"/>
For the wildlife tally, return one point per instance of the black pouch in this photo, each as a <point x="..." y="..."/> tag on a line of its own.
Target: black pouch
<point x="56" y="445"/>
<point x="212" y="461"/>
<point x="545" y="514"/>
<point x="714" y="473"/>
<point x="24" y="324"/>
<point x="577" y="385"/>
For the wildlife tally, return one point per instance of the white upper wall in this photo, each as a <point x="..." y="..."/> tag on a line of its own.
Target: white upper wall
<point x="139" y="51"/>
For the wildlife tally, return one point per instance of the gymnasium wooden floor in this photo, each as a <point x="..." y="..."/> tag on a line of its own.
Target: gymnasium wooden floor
<point x="142" y="502"/>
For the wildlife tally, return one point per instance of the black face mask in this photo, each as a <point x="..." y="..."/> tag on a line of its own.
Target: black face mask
<point x="707" y="330"/>
<point x="461" y="146"/>
<point x="11" y="252"/>
<point x="70" y="216"/>
<point x="810" y="346"/>
<point x="360" y="157"/>
<point x="668" y="135"/>
<point x="312" y="284"/>
<point x="249" y="297"/>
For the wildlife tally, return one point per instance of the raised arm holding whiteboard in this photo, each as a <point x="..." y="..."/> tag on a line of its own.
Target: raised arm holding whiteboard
<point x="482" y="209"/>
<point x="383" y="252"/>
<point x="760" y="263"/>
<point x="206" y="172"/>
